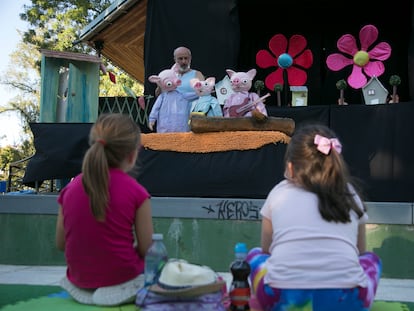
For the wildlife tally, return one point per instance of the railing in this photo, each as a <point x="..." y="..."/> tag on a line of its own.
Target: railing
<point x="126" y="105"/>
<point x="15" y="179"/>
<point x="16" y="173"/>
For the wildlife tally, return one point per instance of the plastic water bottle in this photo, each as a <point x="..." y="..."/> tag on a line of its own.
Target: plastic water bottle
<point x="240" y="287"/>
<point x="155" y="259"/>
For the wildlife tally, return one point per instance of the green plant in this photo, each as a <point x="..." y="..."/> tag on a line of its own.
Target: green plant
<point x="394" y="82"/>
<point x="259" y="86"/>
<point x="278" y="88"/>
<point x="341" y="85"/>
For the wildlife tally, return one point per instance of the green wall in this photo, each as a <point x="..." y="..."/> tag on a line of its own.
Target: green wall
<point x="29" y="240"/>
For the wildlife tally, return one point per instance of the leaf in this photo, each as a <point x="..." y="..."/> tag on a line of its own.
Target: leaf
<point x="129" y="92"/>
<point x="112" y="77"/>
<point x="141" y="102"/>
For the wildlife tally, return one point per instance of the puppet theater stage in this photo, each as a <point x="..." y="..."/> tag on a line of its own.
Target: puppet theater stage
<point x="211" y="195"/>
<point x="377" y="148"/>
<point x="376" y="137"/>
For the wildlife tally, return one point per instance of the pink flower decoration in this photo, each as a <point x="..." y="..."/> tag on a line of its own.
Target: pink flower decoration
<point x="292" y="58"/>
<point x="364" y="62"/>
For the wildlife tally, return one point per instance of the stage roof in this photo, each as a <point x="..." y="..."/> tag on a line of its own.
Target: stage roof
<point x="123" y="45"/>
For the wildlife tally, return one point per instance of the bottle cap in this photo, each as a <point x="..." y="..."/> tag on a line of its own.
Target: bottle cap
<point x="157" y="236"/>
<point x="240" y="248"/>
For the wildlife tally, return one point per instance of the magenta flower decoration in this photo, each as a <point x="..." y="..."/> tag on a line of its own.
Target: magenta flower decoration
<point x="291" y="58"/>
<point x="365" y="62"/>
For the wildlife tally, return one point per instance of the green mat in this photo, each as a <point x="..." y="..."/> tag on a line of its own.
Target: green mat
<point x="61" y="304"/>
<point x="11" y="293"/>
<point x="45" y="298"/>
<point x="51" y="298"/>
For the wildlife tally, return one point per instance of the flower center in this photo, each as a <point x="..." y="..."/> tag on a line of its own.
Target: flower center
<point x="361" y="58"/>
<point x="285" y="60"/>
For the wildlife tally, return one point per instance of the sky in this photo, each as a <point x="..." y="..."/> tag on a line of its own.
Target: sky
<point x="10" y="22"/>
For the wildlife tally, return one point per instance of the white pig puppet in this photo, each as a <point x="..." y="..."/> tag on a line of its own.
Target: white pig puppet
<point x="206" y="104"/>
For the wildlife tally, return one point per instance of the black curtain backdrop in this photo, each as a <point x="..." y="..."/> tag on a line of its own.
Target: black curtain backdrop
<point x="60" y="148"/>
<point x="231" y="174"/>
<point x="209" y="28"/>
<point x="377" y="147"/>
<point x="227" y="34"/>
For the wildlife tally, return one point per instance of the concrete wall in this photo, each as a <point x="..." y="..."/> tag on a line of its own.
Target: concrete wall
<point x="200" y="230"/>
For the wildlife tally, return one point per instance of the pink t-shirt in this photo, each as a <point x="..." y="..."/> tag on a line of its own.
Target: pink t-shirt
<point x="101" y="253"/>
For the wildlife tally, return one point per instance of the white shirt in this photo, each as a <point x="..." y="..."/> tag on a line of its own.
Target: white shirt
<point x="306" y="250"/>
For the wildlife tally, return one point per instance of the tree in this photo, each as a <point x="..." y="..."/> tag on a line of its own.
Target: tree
<point x="22" y="75"/>
<point x="395" y="81"/>
<point x="8" y="155"/>
<point x="56" y="25"/>
<point x="53" y="25"/>
<point x="341" y="85"/>
<point x="259" y="86"/>
<point x="278" y="88"/>
<point x="123" y="82"/>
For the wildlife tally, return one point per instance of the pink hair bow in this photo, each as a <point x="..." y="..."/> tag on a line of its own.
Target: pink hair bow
<point x="324" y="144"/>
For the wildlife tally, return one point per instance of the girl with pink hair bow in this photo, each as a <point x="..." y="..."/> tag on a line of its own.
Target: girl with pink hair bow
<point x="312" y="254"/>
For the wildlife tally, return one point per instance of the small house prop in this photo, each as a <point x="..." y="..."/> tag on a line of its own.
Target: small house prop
<point x="299" y="96"/>
<point x="374" y="92"/>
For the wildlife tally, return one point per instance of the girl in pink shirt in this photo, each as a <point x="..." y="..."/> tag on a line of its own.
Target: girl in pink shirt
<point x="102" y="212"/>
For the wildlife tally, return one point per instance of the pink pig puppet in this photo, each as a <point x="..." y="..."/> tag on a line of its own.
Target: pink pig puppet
<point x="206" y="103"/>
<point x="171" y="110"/>
<point x="242" y="102"/>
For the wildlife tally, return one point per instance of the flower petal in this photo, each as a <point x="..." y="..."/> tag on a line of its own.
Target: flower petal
<point x="265" y="60"/>
<point x="347" y="44"/>
<point x="367" y="36"/>
<point x="296" y="76"/>
<point x="304" y="60"/>
<point x="357" y="79"/>
<point x="336" y="61"/>
<point x="297" y="44"/>
<point x="382" y="51"/>
<point x="273" y="78"/>
<point x="278" y="44"/>
<point x="374" y="69"/>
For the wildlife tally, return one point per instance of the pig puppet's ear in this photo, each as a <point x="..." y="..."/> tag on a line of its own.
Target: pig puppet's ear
<point x="230" y="72"/>
<point x="211" y="81"/>
<point x="251" y="73"/>
<point x="154" y="79"/>
<point x="193" y="81"/>
<point x="175" y="68"/>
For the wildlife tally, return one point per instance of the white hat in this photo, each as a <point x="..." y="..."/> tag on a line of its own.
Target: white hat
<point x="180" y="278"/>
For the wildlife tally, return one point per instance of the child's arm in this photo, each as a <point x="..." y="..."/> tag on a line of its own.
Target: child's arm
<point x="267" y="233"/>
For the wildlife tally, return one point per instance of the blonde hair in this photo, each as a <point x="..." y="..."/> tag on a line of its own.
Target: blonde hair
<point x="112" y="139"/>
<point x="325" y="175"/>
